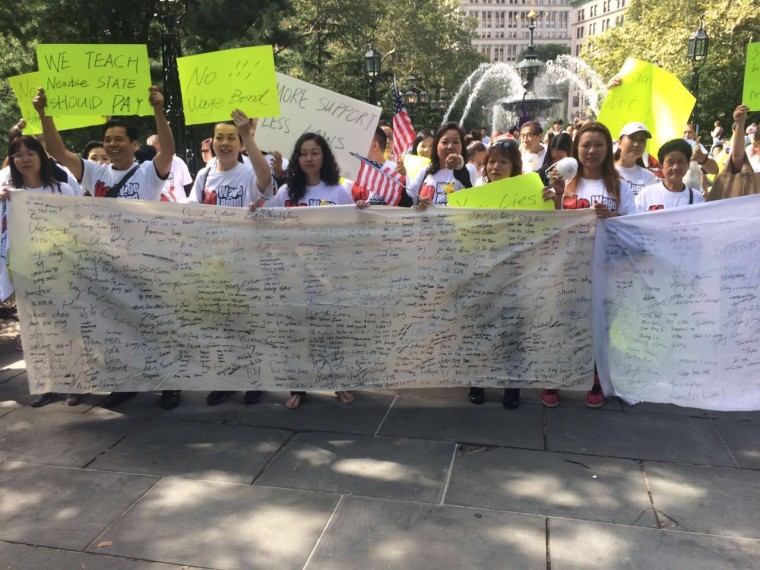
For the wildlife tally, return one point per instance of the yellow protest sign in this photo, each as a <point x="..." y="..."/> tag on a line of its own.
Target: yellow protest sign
<point x="522" y="192"/>
<point x="751" y="92"/>
<point x="414" y="164"/>
<point x="25" y="88"/>
<point x="648" y="94"/>
<point x="95" y="79"/>
<point x="214" y="84"/>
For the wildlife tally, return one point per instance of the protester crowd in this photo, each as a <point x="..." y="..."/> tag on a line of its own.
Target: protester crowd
<point x="613" y="175"/>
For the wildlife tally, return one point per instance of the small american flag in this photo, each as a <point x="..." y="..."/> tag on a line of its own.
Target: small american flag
<point x="403" y="129"/>
<point x="380" y="180"/>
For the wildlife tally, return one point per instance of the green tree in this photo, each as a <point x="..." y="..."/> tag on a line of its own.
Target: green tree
<point x="659" y="31"/>
<point x="547" y="52"/>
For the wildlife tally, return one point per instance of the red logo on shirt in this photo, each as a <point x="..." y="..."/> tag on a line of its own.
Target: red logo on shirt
<point x="575" y="203"/>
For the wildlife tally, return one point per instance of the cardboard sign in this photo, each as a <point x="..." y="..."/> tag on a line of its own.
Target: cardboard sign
<point x="25" y="88"/>
<point x="650" y="95"/>
<point x="522" y="192"/>
<point x="89" y="79"/>
<point x="347" y="124"/>
<point x="215" y="84"/>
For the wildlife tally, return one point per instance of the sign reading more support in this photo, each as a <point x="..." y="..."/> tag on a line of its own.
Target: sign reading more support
<point x="95" y="79"/>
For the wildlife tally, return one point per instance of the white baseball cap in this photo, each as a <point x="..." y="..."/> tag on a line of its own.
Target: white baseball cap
<point x="632" y="128"/>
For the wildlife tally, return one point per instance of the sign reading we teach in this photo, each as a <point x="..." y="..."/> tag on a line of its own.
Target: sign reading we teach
<point x="215" y="84"/>
<point x="751" y="91"/>
<point x="25" y="88"/>
<point x="650" y="95"/>
<point x="95" y="79"/>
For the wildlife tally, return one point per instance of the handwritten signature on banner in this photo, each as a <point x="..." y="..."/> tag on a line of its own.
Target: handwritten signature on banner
<point x="123" y="295"/>
<point x="95" y="79"/>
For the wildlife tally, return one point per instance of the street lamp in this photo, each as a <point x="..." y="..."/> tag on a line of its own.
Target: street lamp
<point x="372" y="69"/>
<point x="170" y="14"/>
<point x="697" y="54"/>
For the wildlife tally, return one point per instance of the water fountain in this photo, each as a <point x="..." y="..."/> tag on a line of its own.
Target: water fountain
<point x="529" y="89"/>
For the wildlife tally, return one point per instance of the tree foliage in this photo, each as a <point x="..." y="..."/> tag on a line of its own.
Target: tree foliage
<point x="659" y="31"/>
<point x="547" y="52"/>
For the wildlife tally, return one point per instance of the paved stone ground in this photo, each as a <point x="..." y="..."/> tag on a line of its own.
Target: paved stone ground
<point x="405" y="480"/>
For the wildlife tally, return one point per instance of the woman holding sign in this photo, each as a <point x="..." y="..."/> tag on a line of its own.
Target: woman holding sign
<point x="596" y="185"/>
<point x="31" y="170"/>
<point x="503" y="160"/>
<point x="313" y="179"/>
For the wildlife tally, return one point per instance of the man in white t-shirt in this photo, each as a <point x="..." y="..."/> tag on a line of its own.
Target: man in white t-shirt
<point x="179" y="181"/>
<point x="123" y="178"/>
<point x="671" y="191"/>
<point x="533" y="152"/>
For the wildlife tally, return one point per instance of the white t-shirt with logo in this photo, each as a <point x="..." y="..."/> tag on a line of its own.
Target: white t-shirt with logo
<point x="144" y="184"/>
<point x="590" y="192"/>
<point x="234" y="188"/>
<point x="179" y="177"/>
<point x="320" y="195"/>
<point x="438" y="186"/>
<point x="657" y="197"/>
<point x="637" y="177"/>
<point x="58" y="188"/>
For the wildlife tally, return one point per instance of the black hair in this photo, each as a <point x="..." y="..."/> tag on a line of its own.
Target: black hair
<point x="561" y="141"/>
<point x="296" y="178"/>
<point x="421" y="136"/>
<point x="381" y="138"/>
<point x="46" y="168"/>
<point x="89" y="146"/>
<point x="145" y="152"/>
<point x="130" y="129"/>
<point x="675" y="145"/>
<point x="435" y="163"/>
<point x="535" y="127"/>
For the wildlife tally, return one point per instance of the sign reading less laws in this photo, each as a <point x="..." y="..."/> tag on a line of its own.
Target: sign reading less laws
<point x="89" y="79"/>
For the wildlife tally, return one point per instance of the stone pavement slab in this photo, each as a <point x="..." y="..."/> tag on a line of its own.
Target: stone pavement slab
<point x="712" y="500"/>
<point x="320" y="411"/>
<point x="462" y="421"/>
<point x="552" y="484"/>
<point x="40" y="436"/>
<point x="221" y="526"/>
<point x="60" y="506"/>
<point x="673" y="410"/>
<point x="193" y="450"/>
<point x="742" y="437"/>
<point x="579" y="545"/>
<point x="392" y="468"/>
<point x="24" y="557"/>
<point x="635" y="436"/>
<point x="375" y="534"/>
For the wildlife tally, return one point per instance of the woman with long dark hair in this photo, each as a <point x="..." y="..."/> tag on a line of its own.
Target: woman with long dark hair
<point x="312" y="179"/>
<point x="448" y="170"/>
<point x="597" y="185"/>
<point x="31" y="170"/>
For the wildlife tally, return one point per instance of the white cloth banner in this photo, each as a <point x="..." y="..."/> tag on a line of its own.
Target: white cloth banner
<point x="127" y="295"/>
<point x="677" y="305"/>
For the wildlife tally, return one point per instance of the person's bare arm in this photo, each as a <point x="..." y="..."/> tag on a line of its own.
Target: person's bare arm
<point x="53" y="141"/>
<point x="163" y="159"/>
<point x="247" y="130"/>
<point x="737" y="140"/>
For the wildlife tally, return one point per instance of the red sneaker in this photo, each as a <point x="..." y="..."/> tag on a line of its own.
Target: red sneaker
<point x="595" y="396"/>
<point x="550" y="398"/>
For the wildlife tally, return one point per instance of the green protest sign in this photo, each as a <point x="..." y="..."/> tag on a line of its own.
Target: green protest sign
<point x="214" y="84"/>
<point x="93" y="79"/>
<point x="522" y="192"/>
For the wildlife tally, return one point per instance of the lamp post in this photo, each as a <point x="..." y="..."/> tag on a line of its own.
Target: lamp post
<point x="170" y="13"/>
<point x="697" y="54"/>
<point x="372" y="70"/>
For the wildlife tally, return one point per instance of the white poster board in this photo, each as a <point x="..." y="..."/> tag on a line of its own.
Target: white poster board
<point x="347" y="124"/>
<point x="677" y="305"/>
<point x="127" y="295"/>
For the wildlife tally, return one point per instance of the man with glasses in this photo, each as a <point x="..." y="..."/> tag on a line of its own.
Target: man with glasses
<point x="533" y="152"/>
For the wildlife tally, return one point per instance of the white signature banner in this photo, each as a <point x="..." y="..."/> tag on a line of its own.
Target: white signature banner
<point x="677" y="305"/>
<point x="127" y="295"/>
